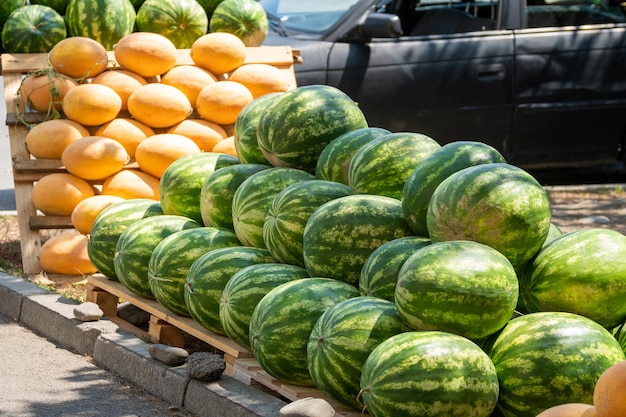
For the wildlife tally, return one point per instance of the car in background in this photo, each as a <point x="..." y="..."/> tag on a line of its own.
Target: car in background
<point x="543" y="81"/>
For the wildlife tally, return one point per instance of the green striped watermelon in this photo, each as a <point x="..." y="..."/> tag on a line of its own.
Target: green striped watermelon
<point x="289" y="212"/>
<point x="106" y="21"/>
<point x="460" y="287"/>
<point x="342" y="339"/>
<point x="428" y="374"/>
<point x="244" y="290"/>
<point x="245" y="19"/>
<point x="244" y="131"/>
<point x="334" y="160"/>
<point x="109" y="225"/>
<point x="33" y="28"/>
<point x="379" y="273"/>
<point x="296" y="127"/>
<point x="342" y="233"/>
<point x="7" y="7"/>
<point x="442" y="163"/>
<point x="135" y="245"/>
<point x="282" y="322"/>
<point x="383" y="165"/>
<point x="208" y="276"/>
<point x="180" y="21"/>
<point x="181" y="184"/>
<point x="216" y="194"/>
<point x="253" y="198"/>
<point x="497" y="204"/>
<point x="172" y="258"/>
<point x="550" y="358"/>
<point x="582" y="272"/>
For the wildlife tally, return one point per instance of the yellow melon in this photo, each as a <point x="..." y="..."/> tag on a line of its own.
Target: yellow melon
<point x="146" y="53"/>
<point x="159" y="105"/>
<point x="189" y="79"/>
<point x="157" y="152"/>
<point x="223" y="101"/>
<point x="261" y="79"/>
<point x="205" y="133"/>
<point x="609" y="395"/>
<point x="86" y="211"/>
<point x="48" y="139"/>
<point x="78" y="57"/>
<point x="94" y="157"/>
<point x="226" y="146"/>
<point x="44" y="92"/>
<point x="92" y="104"/>
<point x="122" y="82"/>
<point x="128" y="132"/>
<point x="132" y="183"/>
<point x="218" y="52"/>
<point x="58" y="193"/>
<point x="66" y="254"/>
<point x="568" y="410"/>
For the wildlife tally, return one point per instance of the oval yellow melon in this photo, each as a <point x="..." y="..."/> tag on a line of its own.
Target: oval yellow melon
<point x="94" y="157"/>
<point x="189" y="79"/>
<point x="128" y="132"/>
<point x="568" y="410"/>
<point x="58" y="193"/>
<point x="44" y="92"/>
<point x="226" y="146"/>
<point x="122" y="82"/>
<point x="48" y="139"/>
<point x="66" y="254"/>
<point x="261" y="79"/>
<point x="223" y="101"/>
<point x="205" y="133"/>
<point x="218" y="52"/>
<point x="609" y="394"/>
<point x="78" y="57"/>
<point x="157" y="152"/>
<point x="92" y="104"/>
<point x="131" y="183"/>
<point x="86" y="211"/>
<point x="146" y="53"/>
<point x="159" y="105"/>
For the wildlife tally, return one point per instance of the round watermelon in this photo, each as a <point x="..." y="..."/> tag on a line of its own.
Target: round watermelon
<point x="550" y="358"/>
<point x="497" y="204"/>
<point x="342" y="233"/>
<point x="180" y="21"/>
<point x="289" y="212"/>
<point x="296" y="127"/>
<point x="245" y="289"/>
<point x="383" y="165"/>
<point x="428" y="374"/>
<point x="342" y="339"/>
<point x="172" y="258"/>
<point x="32" y="29"/>
<point x="582" y="272"/>
<point x="282" y="322"/>
<point x="245" y="19"/>
<point x="379" y="273"/>
<point x="106" y="21"/>
<point x="553" y="233"/>
<point x="135" y="245"/>
<point x="442" y="163"/>
<point x="217" y="192"/>
<point x="109" y="225"/>
<point x="208" y="276"/>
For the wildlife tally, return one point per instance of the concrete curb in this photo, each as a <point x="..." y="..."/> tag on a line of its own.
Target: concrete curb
<point x="127" y="355"/>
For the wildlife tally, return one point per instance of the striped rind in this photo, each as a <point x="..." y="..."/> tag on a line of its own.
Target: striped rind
<point x="460" y="287"/>
<point x="550" y="358"/>
<point x="245" y="19"/>
<point x="253" y="198"/>
<point x="383" y="165"/>
<point x="379" y="273"/>
<point x="582" y="272"/>
<point x="289" y="212"/>
<point x="181" y="184"/>
<point x="497" y="204"/>
<point x="282" y="322"/>
<point x="135" y="245"/>
<point x="181" y="21"/>
<point x="208" y="276"/>
<point x="216" y="194"/>
<point x="342" y="233"/>
<point x="296" y="127"/>
<point x="33" y="28"/>
<point x="442" y="163"/>
<point x="109" y="225"/>
<point x="342" y="339"/>
<point x="334" y="160"/>
<point x="245" y="289"/>
<point x="106" y="21"/>
<point x="428" y="374"/>
<point x="173" y="256"/>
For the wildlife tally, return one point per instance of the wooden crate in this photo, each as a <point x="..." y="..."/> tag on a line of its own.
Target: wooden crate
<point x="27" y="170"/>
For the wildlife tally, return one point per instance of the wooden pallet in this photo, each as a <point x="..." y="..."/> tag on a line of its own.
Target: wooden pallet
<point x="27" y="170"/>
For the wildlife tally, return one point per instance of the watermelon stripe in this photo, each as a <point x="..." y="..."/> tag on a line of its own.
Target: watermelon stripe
<point x="181" y="21"/>
<point x="105" y="21"/>
<point x="32" y="28"/>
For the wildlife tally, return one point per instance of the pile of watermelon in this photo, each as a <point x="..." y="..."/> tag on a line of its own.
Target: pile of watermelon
<point x="35" y="26"/>
<point x="398" y="276"/>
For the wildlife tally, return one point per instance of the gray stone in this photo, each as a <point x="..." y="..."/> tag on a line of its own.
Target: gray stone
<point x="169" y="355"/>
<point x="88" y="312"/>
<point x="595" y="220"/>
<point x="133" y="314"/>
<point x="205" y="366"/>
<point x="308" y="407"/>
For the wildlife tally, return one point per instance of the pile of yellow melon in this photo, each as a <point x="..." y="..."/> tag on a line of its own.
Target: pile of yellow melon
<point x="116" y="125"/>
